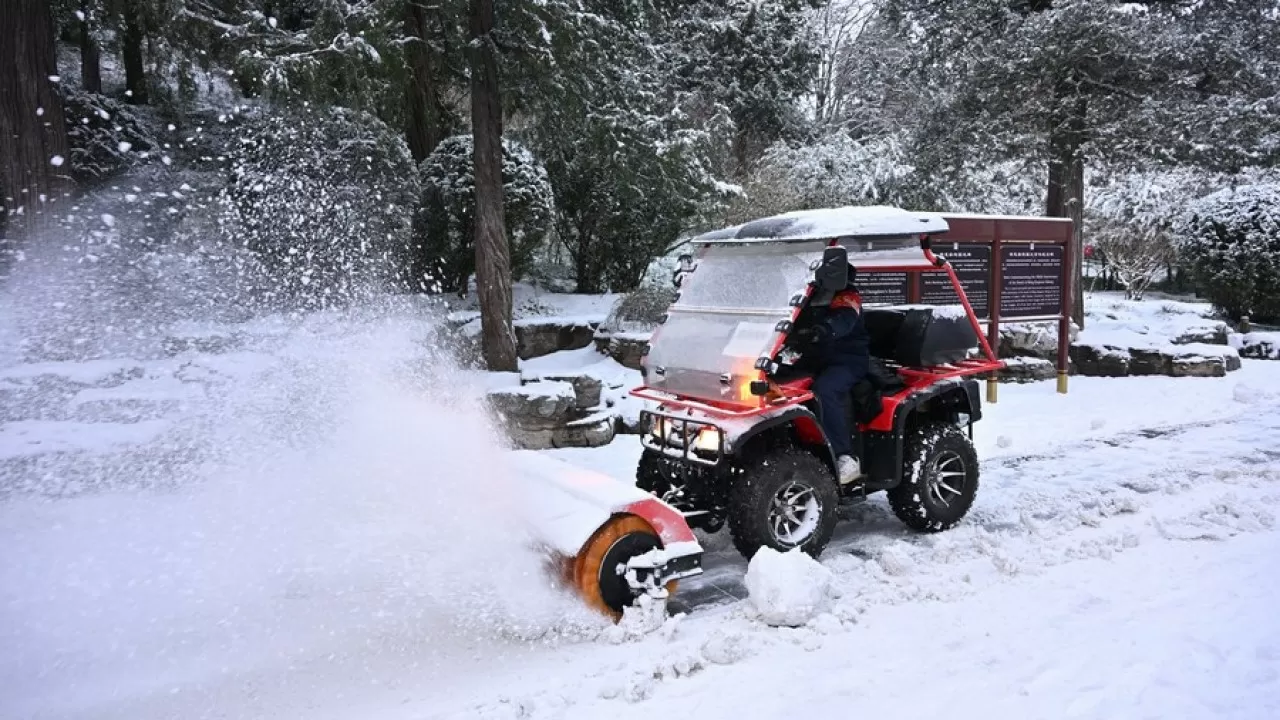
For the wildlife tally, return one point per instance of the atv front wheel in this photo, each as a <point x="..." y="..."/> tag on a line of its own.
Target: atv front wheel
<point x="785" y="499"/>
<point x="939" y="479"/>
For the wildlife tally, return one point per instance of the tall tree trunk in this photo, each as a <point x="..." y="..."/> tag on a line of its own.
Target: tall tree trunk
<point x="1066" y="188"/>
<point x="493" y="257"/>
<point x="425" y="129"/>
<point x="33" y="134"/>
<point x="90" y="53"/>
<point x="135" y="73"/>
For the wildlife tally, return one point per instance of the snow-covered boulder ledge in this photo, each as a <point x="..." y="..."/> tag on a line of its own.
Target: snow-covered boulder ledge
<point x="559" y="412"/>
<point x="625" y="347"/>
<point x="1257" y="345"/>
<point x="1110" y="359"/>
<point x="535" y="336"/>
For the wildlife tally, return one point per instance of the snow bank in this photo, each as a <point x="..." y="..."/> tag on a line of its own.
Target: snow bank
<point x="787" y="589"/>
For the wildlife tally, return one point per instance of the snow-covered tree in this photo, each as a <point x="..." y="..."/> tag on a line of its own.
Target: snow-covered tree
<point x="324" y="198"/>
<point x="839" y="26"/>
<point x="1130" y="215"/>
<point x="1070" y="81"/>
<point x="627" y="185"/>
<point x="1231" y="239"/>
<point x="527" y="200"/>
<point x="753" y="59"/>
<point x="33" y="138"/>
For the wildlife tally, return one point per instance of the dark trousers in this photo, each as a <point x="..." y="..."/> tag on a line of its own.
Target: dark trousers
<point x="832" y="387"/>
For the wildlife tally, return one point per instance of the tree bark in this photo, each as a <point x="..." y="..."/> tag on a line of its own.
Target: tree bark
<point x="90" y="53"/>
<point x="32" y="130"/>
<point x="493" y="257"/>
<point x="131" y="42"/>
<point x="426" y="122"/>
<point x="1066" y="187"/>
<point x="425" y="129"/>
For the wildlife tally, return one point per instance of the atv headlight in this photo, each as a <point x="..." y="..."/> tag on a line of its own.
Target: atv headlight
<point x="708" y="440"/>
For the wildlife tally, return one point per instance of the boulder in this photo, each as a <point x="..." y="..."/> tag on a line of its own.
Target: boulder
<point x="1032" y="340"/>
<point x="1257" y="345"/>
<point x="1216" y="334"/>
<point x="546" y="414"/>
<point x="1149" y="361"/>
<point x="1100" y="360"/>
<point x="537" y="337"/>
<point x="593" y="431"/>
<point x="1027" y="369"/>
<point x="1198" y="366"/>
<point x="626" y="348"/>
<point x="534" y="407"/>
<point x="586" y="389"/>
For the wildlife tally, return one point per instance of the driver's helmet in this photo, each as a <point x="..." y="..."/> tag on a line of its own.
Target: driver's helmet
<point x="853" y="277"/>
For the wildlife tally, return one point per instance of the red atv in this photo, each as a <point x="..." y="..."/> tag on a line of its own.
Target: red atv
<point x="735" y="435"/>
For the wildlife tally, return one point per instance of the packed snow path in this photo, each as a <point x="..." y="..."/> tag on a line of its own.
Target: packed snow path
<point x="1098" y="480"/>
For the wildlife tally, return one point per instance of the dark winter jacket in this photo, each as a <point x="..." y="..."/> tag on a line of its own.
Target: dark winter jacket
<point x="842" y="334"/>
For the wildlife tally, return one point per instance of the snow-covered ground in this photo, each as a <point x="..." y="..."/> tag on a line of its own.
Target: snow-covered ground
<point x="313" y="521"/>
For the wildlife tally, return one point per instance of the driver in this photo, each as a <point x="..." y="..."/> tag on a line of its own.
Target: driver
<point x="839" y="353"/>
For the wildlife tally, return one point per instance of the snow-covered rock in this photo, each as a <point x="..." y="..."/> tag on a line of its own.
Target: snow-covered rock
<point x="536" y="337"/>
<point x="587" y="388"/>
<point x="1257" y="345"/>
<point x="626" y="348"/>
<point x="547" y="414"/>
<point x="1027" y="369"/>
<point x="787" y="589"/>
<point x="1037" y="340"/>
<point x="1108" y="359"/>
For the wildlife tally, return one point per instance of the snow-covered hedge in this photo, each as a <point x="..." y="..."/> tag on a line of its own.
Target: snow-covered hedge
<point x="449" y="174"/>
<point x="324" y="199"/>
<point x="1231" y="240"/>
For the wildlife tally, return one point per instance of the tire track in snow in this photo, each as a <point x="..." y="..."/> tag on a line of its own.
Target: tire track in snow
<point x="1010" y="507"/>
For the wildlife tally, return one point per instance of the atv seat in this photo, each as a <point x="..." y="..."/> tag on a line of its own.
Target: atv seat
<point x="919" y="336"/>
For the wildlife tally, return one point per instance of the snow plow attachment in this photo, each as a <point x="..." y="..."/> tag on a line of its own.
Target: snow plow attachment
<point x="607" y="541"/>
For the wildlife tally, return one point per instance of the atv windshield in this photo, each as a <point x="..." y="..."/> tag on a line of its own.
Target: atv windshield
<point x="727" y="316"/>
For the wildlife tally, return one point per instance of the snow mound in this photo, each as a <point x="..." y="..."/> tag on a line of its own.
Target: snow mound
<point x="787" y="589"/>
<point x="726" y="647"/>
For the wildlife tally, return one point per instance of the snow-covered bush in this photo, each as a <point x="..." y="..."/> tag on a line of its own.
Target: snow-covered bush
<point x="1231" y="240"/>
<point x="324" y="199"/>
<point x="837" y="170"/>
<point x="640" y="310"/>
<point x="1129" y="217"/>
<point x="448" y="174"/>
<point x="104" y="135"/>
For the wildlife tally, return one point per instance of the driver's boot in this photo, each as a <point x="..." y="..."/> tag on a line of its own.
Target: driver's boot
<point x="848" y="469"/>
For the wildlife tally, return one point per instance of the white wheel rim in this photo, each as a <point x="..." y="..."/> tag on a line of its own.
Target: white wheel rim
<point x="794" y="513"/>
<point x="946" y="478"/>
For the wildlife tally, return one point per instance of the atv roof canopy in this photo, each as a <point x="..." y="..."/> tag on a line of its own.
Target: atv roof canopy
<point x="874" y="235"/>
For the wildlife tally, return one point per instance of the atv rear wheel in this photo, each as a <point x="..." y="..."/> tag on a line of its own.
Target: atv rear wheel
<point x="785" y="499"/>
<point x="939" y="479"/>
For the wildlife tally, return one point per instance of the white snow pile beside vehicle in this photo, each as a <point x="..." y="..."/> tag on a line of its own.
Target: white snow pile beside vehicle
<point x="788" y="589"/>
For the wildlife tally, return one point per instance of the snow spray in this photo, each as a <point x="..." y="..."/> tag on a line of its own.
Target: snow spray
<point x="330" y="492"/>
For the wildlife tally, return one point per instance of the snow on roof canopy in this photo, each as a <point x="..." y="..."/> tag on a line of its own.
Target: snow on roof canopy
<point x="826" y="223"/>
